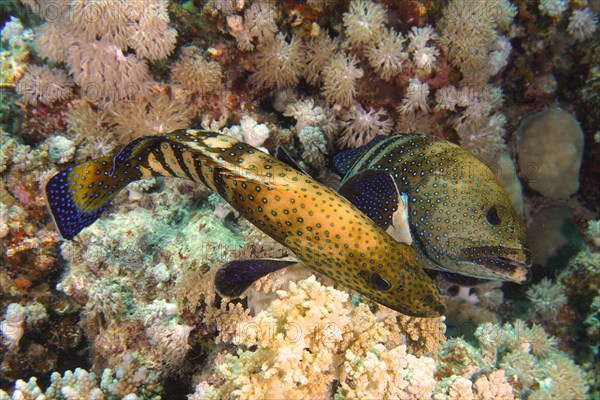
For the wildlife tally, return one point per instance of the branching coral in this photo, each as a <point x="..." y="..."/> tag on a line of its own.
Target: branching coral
<point x="311" y="335"/>
<point x="389" y="373"/>
<point x="129" y="381"/>
<point x="12" y="327"/>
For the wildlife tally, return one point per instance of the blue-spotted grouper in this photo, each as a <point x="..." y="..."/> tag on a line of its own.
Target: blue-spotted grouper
<point x="324" y="230"/>
<point x="431" y="193"/>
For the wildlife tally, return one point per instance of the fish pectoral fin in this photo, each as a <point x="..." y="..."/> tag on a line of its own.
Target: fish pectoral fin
<point x="233" y="278"/>
<point x="373" y="192"/>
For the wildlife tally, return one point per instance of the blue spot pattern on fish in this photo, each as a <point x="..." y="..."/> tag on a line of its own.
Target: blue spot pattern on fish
<point x="323" y="229"/>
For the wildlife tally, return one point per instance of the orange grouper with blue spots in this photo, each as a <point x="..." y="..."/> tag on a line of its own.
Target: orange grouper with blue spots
<point x="323" y="229"/>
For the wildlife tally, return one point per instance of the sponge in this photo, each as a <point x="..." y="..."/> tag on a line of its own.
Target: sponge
<point x="550" y="147"/>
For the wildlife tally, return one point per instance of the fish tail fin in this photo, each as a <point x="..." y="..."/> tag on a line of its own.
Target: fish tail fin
<point x="78" y="195"/>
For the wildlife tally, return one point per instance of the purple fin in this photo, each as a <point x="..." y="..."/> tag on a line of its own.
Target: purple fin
<point x="374" y="193"/>
<point x="78" y="195"/>
<point x="233" y="278"/>
<point x="343" y="162"/>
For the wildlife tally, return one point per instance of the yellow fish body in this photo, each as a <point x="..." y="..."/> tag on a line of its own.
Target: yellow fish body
<point x="324" y="230"/>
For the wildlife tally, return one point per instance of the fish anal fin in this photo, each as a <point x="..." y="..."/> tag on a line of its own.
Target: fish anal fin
<point x="373" y="192"/>
<point x="233" y="278"/>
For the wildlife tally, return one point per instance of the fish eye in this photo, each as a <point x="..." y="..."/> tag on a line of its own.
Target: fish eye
<point x="493" y="217"/>
<point x="379" y="283"/>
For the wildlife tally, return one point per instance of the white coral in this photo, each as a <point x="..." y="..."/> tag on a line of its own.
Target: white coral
<point x="339" y="79"/>
<point x="104" y="72"/>
<point x="364" y="21"/>
<point x="319" y="51"/>
<point x="307" y="113"/>
<point x="446" y="98"/>
<point x="44" y="85"/>
<point x="359" y="127"/>
<point x="547" y="298"/>
<point x="553" y="8"/>
<point x="425" y="58"/>
<point x="420" y="36"/>
<point x="582" y="24"/>
<point x="279" y="63"/>
<point x="197" y="74"/>
<point x="12" y="327"/>
<point x="387" y="54"/>
<point x="252" y="132"/>
<point x="416" y="97"/>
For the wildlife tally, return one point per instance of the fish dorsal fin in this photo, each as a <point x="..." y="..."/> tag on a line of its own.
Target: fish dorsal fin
<point x="373" y="192"/>
<point x="233" y="278"/>
<point x="343" y="162"/>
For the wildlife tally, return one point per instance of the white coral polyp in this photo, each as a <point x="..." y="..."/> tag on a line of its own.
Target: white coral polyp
<point x="12" y="327"/>
<point x="582" y="24"/>
<point x="253" y="133"/>
<point x="359" y="126"/>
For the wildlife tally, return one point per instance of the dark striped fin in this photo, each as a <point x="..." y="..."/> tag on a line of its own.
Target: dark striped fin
<point x="233" y="278"/>
<point x="343" y="162"/>
<point x="77" y="196"/>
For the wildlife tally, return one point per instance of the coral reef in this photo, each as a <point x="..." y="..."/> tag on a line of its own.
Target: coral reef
<point x="128" y="381"/>
<point x="132" y="298"/>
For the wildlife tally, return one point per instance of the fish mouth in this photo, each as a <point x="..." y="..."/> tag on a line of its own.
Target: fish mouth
<point x="503" y="263"/>
<point x="519" y="271"/>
